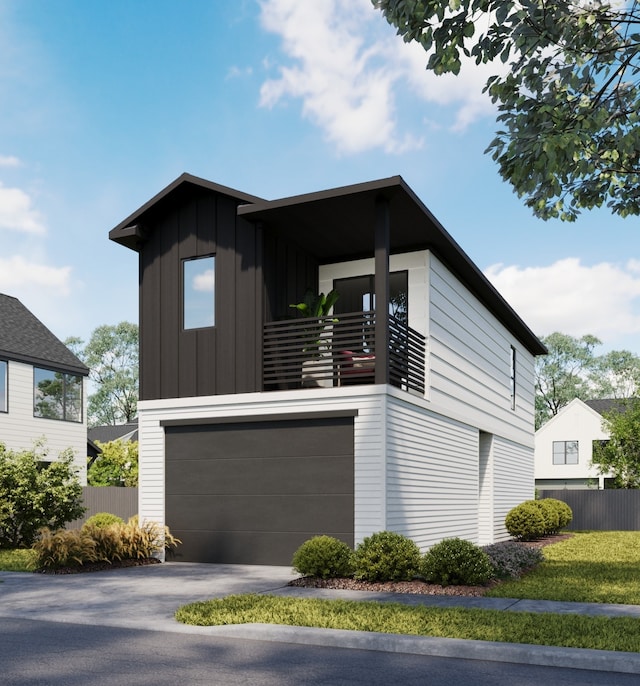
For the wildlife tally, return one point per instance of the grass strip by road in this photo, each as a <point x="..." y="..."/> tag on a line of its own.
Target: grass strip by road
<point x="572" y="631"/>
<point x="590" y="567"/>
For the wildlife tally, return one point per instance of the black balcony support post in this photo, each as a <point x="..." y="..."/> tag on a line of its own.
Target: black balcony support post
<point x="381" y="287"/>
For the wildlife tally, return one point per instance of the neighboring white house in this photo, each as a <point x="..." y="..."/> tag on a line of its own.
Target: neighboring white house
<point x="415" y="414"/>
<point x="564" y="446"/>
<point x="43" y="388"/>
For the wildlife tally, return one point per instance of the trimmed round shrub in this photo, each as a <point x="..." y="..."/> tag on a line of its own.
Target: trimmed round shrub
<point x="525" y="521"/>
<point x="549" y="514"/>
<point x="456" y="562"/>
<point x="102" y="520"/>
<point x="564" y="512"/>
<point x="386" y="556"/>
<point x="325" y="557"/>
<point x="510" y="559"/>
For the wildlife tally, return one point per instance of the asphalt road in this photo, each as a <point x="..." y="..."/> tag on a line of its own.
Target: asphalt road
<point x="42" y="653"/>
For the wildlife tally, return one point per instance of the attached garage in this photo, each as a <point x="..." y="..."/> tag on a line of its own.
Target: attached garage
<point x="250" y="492"/>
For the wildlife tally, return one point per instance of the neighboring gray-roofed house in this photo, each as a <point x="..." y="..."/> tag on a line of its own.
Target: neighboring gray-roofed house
<point x="42" y="387"/>
<point x="114" y="432"/>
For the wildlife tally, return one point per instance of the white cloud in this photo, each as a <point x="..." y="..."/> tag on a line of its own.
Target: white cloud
<point x="17" y="213"/>
<point x="19" y="275"/>
<point x="567" y="296"/>
<point x="205" y="282"/>
<point x="348" y="68"/>
<point x="9" y="161"/>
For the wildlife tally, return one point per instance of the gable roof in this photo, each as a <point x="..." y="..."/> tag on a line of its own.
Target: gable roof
<point x="131" y="231"/>
<point x="24" y="338"/>
<point x="114" y="432"/>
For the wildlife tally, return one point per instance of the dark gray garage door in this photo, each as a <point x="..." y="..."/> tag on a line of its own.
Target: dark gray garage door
<point x="252" y="492"/>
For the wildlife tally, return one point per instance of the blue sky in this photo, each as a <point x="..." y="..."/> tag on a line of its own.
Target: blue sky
<point x="105" y="103"/>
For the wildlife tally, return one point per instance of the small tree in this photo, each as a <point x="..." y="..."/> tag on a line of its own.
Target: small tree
<point x="117" y="465"/>
<point x="620" y="455"/>
<point x="36" y="493"/>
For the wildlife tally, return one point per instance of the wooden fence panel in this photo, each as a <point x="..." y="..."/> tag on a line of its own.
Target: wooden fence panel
<point x="608" y="510"/>
<point x="116" y="500"/>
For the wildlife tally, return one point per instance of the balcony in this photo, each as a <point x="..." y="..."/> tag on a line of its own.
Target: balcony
<point x="312" y="353"/>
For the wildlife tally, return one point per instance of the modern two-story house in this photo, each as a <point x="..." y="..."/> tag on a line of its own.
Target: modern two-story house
<point x="409" y="407"/>
<point x="43" y="388"/>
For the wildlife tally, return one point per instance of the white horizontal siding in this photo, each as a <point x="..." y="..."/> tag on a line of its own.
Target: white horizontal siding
<point x="513" y="481"/>
<point x="19" y="429"/>
<point x="469" y="360"/>
<point x="432" y="475"/>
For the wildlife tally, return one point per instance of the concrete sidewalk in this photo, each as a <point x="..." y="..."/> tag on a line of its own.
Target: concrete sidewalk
<point x="147" y="598"/>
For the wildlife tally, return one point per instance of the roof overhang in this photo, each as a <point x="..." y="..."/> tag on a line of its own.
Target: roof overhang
<point x="339" y="224"/>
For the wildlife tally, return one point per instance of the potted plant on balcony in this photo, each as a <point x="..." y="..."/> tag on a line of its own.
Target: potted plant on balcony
<point x="317" y="369"/>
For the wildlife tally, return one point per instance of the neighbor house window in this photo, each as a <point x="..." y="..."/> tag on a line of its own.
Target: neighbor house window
<point x="565" y="452"/>
<point x="199" y="290"/>
<point x="4" y="407"/>
<point x="57" y="395"/>
<point x="512" y="378"/>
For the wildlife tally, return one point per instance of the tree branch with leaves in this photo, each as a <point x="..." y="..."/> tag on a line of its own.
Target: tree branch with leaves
<point x="569" y="103"/>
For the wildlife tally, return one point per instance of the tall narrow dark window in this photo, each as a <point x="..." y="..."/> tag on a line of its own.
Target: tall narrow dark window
<point x="199" y="292"/>
<point x="512" y="379"/>
<point x="3" y="386"/>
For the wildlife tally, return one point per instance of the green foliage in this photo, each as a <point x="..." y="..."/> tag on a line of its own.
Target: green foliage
<point x="563" y="374"/>
<point x="386" y="556"/>
<point x="526" y="521"/>
<point x="62" y="548"/>
<point x="510" y="559"/>
<point x="117" y="465"/>
<point x="117" y="541"/>
<point x="456" y="562"/>
<point x="102" y="519"/>
<point x="562" y="510"/>
<point x="325" y="557"/>
<point x="112" y="357"/>
<point x="620" y="455"/>
<point x="568" y="101"/>
<point x="36" y="493"/>
<point x="317" y="305"/>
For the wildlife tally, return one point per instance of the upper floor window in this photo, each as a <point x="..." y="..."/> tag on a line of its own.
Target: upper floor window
<point x="3" y="386"/>
<point x="512" y="378"/>
<point x="199" y="290"/>
<point x="57" y="395"/>
<point x="565" y="452"/>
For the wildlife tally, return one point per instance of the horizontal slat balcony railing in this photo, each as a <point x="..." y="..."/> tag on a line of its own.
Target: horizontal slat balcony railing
<point x="312" y="352"/>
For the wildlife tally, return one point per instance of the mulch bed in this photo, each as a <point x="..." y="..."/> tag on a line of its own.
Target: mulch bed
<point x="100" y="566"/>
<point x="416" y="586"/>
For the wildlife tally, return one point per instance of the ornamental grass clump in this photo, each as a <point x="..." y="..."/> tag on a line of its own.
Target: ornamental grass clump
<point x="325" y="557"/>
<point x="386" y="556"/>
<point x="456" y="562"/>
<point x="62" y="548"/>
<point x="510" y="559"/>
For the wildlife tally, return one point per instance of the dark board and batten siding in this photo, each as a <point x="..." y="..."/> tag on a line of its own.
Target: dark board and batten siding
<point x="252" y="492"/>
<point x="227" y="358"/>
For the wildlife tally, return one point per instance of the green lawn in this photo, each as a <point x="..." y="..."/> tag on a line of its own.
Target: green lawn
<point x="590" y="567"/>
<point x="574" y="631"/>
<point x="16" y="560"/>
<point x="593" y="567"/>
